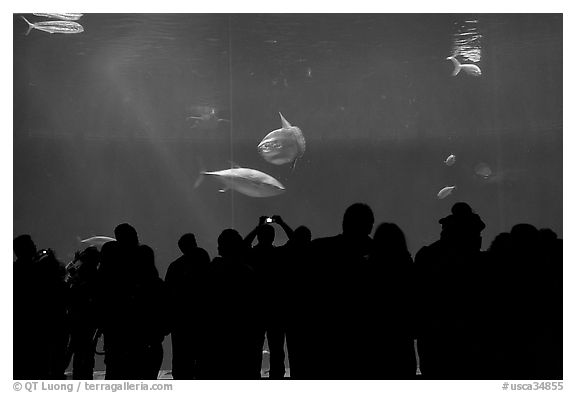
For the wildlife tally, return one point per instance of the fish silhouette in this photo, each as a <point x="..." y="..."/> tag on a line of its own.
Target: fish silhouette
<point x="207" y="120"/>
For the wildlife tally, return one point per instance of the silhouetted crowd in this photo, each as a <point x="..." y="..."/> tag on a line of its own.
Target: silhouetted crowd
<point x="351" y="306"/>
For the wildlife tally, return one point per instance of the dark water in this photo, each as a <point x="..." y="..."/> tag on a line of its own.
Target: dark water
<point x="101" y="136"/>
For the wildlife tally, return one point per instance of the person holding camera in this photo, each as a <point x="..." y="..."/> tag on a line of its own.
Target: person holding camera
<point x="267" y="262"/>
<point x="40" y="331"/>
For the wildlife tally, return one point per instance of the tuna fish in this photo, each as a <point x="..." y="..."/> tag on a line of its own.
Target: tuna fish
<point x="470" y="69"/>
<point x="450" y="160"/>
<point x="246" y="181"/>
<point x="55" y="26"/>
<point x="69" y="16"/>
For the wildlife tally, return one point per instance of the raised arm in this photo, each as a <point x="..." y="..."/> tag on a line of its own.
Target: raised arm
<point x="289" y="232"/>
<point x="252" y="235"/>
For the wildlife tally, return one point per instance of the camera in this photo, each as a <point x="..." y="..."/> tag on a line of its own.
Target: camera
<point x="42" y="254"/>
<point x="269" y="220"/>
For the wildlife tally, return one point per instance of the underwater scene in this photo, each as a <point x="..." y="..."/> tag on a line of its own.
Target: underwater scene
<point x="180" y="123"/>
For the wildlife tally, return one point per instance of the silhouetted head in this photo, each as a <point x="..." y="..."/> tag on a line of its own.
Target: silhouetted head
<point x="126" y="235"/>
<point x="187" y="243"/>
<point x="525" y="235"/>
<point x="265" y="235"/>
<point x="358" y="220"/>
<point x="24" y="247"/>
<point x="389" y="240"/>
<point x="463" y="227"/>
<point x="302" y="235"/>
<point x="230" y="243"/>
<point x="501" y="244"/>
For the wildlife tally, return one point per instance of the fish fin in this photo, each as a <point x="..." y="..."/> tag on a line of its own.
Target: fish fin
<point x="293" y="165"/>
<point x="457" y="65"/>
<point x="285" y="123"/>
<point x="30" y="25"/>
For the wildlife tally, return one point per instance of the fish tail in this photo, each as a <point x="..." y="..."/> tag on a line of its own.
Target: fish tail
<point x="199" y="180"/>
<point x="30" y="25"/>
<point x="200" y="177"/>
<point x="457" y="65"/>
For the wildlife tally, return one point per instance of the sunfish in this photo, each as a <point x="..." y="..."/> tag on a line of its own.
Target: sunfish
<point x="445" y="192"/>
<point x="246" y="181"/>
<point x="55" y="26"/>
<point x="450" y="160"/>
<point x="470" y="69"/>
<point x="69" y="16"/>
<point x="283" y="145"/>
<point x="96" y="240"/>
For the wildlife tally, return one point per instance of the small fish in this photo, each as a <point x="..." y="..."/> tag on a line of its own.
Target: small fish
<point x="470" y="69"/>
<point x="483" y="170"/>
<point x="96" y="240"/>
<point x="70" y="16"/>
<point x="284" y="145"/>
<point x="445" y="192"/>
<point x="55" y="26"/>
<point x="246" y="181"/>
<point x="451" y="160"/>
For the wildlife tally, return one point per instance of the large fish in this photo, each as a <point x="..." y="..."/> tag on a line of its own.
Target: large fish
<point x="246" y="181"/>
<point x="470" y="69"/>
<point x="284" y="145"/>
<point x="69" y="16"/>
<point x="55" y="26"/>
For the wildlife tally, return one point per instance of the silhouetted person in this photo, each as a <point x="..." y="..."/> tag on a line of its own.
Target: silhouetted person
<point x="530" y="283"/>
<point x="147" y="322"/>
<point x="186" y="281"/>
<point x="82" y="311"/>
<point x="269" y="267"/>
<point x="389" y="307"/>
<point x="40" y="332"/>
<point x="233" y="312"/>
<point x="336" y="323"/>
<point x="450" y="301"/>
<point x="27" y="338"/>
<point x="296" y="256"/>
<point x="115" y="289"/>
